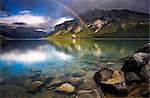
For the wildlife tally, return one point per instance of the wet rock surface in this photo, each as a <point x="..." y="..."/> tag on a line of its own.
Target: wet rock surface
<point x="135" y="66"/>
<point x="145" y="49"/>
<point x="128" y="81"/>
<point x="111" y="81"/>
<point x="139" y="91"/>
<point x="66" y="88"/>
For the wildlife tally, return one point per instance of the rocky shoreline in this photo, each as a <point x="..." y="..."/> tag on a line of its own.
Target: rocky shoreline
<point x="130" y="81"/>
<point x="135" y="72"/>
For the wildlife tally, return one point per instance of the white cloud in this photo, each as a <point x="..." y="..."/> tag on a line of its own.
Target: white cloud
<point x="28" y="19"/>
<point x="62" y="20"/>
<point x="25" y="12"/>
<point x="25" y="16"/>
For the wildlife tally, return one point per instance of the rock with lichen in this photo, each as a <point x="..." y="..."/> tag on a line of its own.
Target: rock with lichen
<point x="66" y="87"/>
<point x="111" y="81"/>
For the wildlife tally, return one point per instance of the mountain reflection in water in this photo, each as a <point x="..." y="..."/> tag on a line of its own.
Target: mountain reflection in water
<point x="17" y="56"/>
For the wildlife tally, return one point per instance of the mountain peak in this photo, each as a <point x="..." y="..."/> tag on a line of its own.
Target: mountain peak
<point x="101" y="22"/>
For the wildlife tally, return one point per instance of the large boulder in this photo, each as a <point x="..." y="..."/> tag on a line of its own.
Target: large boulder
<point x="111" y="81"/>
<point x="135" y="66"/>
<point x="145" y="49"/>
<point x="136" y="61"/>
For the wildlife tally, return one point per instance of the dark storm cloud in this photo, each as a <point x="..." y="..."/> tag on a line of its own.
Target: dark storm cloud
<point x="81" y="6"/>
<point x="52" y="8"/>
<point x="2" y="6"/>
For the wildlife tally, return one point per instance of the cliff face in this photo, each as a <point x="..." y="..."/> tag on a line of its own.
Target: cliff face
<point x="99" y="22"/>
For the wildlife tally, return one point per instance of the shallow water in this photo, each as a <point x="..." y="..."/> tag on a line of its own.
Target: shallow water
<point x="61" y="58"/>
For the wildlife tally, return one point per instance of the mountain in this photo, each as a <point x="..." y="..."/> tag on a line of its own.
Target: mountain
<point x="20" y="30"/>
<point x="105" y="24"/>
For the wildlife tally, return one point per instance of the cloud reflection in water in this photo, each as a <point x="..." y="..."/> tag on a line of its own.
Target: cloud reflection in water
<point x="40" y="54"/>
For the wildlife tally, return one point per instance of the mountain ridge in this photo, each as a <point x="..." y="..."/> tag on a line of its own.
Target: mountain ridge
<point x="101" y="23"/>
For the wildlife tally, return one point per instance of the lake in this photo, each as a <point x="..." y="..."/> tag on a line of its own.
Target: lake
<point x="25" y="59"/>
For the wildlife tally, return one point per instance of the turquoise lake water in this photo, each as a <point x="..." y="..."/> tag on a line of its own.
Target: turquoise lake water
<point x="22" y="61"/>
<point x="52" y="56"/>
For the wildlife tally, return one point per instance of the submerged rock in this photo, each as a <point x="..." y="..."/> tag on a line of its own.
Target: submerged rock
<point x="32" y="74"/>
<point x="40" y="78"/>
<point x="88" y="94"/>
<point x="66" y="87"/>
<point x="78" y="74"/>
<point x="110" y="63"/>
<point x="13" y="80"/>
<point x="27" y="83"/>
<point x="1" y="80"/>
<point x="34" y="86"/>
<point x="13" y="91"/>
<point x="75" y="80"/>
<point x="111" y="81"/>
<point x="90" y="84"/>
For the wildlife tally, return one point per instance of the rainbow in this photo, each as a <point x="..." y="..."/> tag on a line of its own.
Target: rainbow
<point x="73" y="12"/>
<point x="70" y="10"/>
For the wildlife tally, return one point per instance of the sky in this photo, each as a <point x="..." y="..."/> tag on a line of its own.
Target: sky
<point x="82" y="6"/>
<point x="55" y="10"/>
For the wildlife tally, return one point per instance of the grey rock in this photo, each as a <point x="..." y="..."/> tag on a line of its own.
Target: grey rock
<point x="135" y="66"/>
<point x="145" y="49"/>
